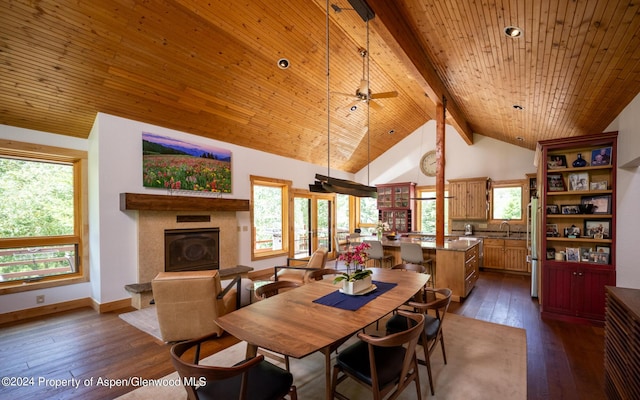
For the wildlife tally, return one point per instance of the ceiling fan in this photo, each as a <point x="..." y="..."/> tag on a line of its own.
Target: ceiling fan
<point x="363" y="93"/>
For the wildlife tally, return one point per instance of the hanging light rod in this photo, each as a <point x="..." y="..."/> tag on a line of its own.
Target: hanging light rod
<point x="429" y="198"/>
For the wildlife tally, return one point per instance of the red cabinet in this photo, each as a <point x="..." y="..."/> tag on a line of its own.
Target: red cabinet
<point x="578" y="246"/>
<point x="396" y="205"/>
<point x="576" y="290"/>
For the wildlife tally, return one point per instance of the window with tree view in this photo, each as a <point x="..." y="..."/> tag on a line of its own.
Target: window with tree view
<point x="269" y="206"/>
<point x="38" y="229"/>
<point x="507" y="201"/>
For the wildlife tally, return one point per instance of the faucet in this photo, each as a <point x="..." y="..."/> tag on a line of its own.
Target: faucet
<point x="503" y="223"/>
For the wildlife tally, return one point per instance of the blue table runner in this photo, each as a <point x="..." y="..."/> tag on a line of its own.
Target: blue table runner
<point x="351" y="302"/>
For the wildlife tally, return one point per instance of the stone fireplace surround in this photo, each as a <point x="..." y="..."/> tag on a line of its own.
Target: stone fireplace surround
<point x="151" y="227"/>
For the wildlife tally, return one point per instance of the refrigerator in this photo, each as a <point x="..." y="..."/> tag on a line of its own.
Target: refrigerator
<point x="533" y="231"/>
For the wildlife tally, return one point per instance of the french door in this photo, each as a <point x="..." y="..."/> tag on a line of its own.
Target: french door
<point x="313" y="223"/>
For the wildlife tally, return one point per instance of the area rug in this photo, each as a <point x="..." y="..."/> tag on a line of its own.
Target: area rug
<point x="145" y="319"/>
<point x="484" y="361"/>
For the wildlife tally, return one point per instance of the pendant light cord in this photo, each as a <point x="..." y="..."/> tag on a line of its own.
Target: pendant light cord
<point x="328" y="97"/>
<point x="368" y="112"/>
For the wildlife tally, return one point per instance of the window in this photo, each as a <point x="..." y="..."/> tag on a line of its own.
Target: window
<point x="426" y="210"/>
<point x="41" y="226"/>
<point x="368" y="217"/>
<point x="342" y="214"/>
<point x="270" y="216"/>
<point x="506" y="200"/>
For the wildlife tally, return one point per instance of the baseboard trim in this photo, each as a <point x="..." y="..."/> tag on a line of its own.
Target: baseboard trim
<point x="44" y="310"/>
<point x="20" y="315"/>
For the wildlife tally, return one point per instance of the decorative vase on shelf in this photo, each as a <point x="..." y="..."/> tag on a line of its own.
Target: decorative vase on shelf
<point x="579" y="162"/>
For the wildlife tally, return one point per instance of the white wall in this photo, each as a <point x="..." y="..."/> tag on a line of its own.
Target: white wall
<point x="628" y="194"/>
<point x="487" y="157"/>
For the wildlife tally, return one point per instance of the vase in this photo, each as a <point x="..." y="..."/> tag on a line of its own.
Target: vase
<point x="353" y="287"/>
<point x="579" y="162"/>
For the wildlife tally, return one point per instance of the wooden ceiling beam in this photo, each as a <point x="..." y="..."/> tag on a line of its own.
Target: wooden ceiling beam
<point x="392" y="26"/>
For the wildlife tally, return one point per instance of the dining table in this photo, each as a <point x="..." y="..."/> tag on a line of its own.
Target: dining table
<point x="300" y="321"/>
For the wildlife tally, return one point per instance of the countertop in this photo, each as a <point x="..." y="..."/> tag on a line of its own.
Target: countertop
<point x="483" y="235"/>
<point x="449" y="244"/>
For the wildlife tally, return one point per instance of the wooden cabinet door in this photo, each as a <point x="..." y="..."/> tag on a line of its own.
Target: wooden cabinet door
<point x="458" y="202"/>
<point x="477" y="199"/>
<point x="557" y="294"/>
<point x="515" y="255"/>
<point x="494" y="253"/>
<point x="591" y="290"/>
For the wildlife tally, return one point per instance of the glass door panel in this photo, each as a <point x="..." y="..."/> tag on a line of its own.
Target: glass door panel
<point x="302" y="227"/>
<point x="313" y="224"/>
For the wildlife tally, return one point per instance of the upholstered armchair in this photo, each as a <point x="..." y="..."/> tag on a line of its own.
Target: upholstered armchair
<point x="188" y="302"/>
<point x="299" y="273"/>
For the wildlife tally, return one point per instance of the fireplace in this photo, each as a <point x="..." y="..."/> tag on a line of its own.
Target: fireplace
<point x="191" y="249"/>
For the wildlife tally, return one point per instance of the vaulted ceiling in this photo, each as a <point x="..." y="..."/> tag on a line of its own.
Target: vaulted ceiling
<point x="210" y="68"/>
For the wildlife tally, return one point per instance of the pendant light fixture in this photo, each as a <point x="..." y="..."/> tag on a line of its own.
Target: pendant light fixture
<point x="325" y="183"/>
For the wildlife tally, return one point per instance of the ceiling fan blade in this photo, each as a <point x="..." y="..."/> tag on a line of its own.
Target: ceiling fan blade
<point x="375" y="105"/>
<point x="383" y="95"/>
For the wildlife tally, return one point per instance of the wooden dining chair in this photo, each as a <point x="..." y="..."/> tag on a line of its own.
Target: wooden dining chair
<point x="382" y="364"/>
<point x="273" y="288"/>
<point x="266" y="291"/>
<point x="432" y="334"/>
<point x="322" y="273"/>
<point x="251" y="379"/>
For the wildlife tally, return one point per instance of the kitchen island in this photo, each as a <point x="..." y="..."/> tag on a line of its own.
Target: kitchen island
<point x="456" y="262"/>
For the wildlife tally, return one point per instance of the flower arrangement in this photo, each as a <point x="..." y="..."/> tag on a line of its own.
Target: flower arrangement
<point x="381" y="227"/>
<point x="357" y="256"/>
<point x="355" y="282"/>
<point x="354" y="276"/>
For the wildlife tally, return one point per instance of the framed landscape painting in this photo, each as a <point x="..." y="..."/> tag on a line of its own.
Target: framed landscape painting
<point x="174" y="164"/>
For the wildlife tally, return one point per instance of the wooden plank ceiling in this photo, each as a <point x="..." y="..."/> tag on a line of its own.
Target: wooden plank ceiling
<point x="210" y="68"/>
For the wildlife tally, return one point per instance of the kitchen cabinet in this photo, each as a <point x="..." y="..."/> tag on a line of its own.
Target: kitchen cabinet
<point x="505" y="254"/>
<point x="396" y="205"/>
<point x="458" y="270"/>
<point x="578" y="249"/>
<point x="468" y="198"/>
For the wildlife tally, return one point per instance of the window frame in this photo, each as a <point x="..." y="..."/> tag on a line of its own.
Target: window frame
<point x="78" y="159"/>
<point x="419" y="203"/>
<point x="286" y="212"/>
<point x="522" y="184"/>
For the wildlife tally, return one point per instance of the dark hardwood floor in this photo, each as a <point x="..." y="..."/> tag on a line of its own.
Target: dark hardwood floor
<point x="564" y="361"/>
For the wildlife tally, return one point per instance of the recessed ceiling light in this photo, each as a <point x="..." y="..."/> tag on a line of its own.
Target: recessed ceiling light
<point x="353" y="108"/>
<point x="392" y="131"/>
<point x="518" y="107"/>
<point x="283" y="63"/>
<point x="513" y="31"/>
<point x="520" y="138"/>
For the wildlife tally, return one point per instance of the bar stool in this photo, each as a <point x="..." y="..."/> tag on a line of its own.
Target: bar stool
<point x="376" y="253"/>
<point x="412" y="253"/>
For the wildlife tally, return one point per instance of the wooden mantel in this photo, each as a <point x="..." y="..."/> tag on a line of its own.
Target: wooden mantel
<point x="152" y="202"/>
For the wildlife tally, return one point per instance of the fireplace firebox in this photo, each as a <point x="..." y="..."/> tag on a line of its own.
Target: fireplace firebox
<point x="191" y="249"/>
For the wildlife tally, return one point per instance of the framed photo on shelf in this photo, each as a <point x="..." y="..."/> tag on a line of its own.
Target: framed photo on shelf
<point x="601" y="156"/>
<point x="579" y="181"/>
<point x="553" y="209"/>
<point x="551" y="253"/>
<point x="602" y="185"/>
<point x="603" y="249"/>
<point x="570" y="209"/>
<point x="555" y="183"/>
<point x="573" y="254"/>
<point x="584" y="253"/>
<point x="572" y="232"/>
<point x="601" y="204"/>
<point x="597" y="229"/>
<point x="598" y="257"/>
<point x="556" y="162"/>
<point x="552" y="230"/>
